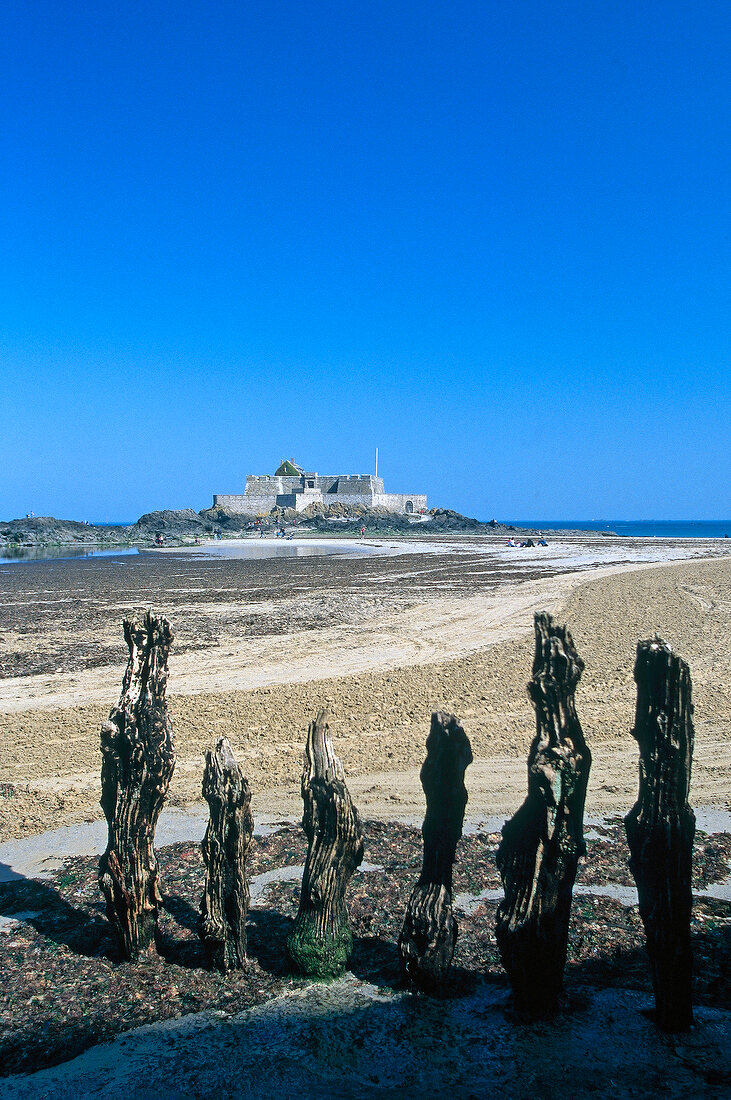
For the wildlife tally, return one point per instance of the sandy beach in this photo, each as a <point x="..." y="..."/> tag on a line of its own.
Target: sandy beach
<point x="381" y="637"/>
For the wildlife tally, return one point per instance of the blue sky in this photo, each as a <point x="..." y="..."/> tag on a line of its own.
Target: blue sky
<point x="491" y="239"/>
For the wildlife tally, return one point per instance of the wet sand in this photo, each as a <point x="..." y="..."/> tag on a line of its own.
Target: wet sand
<point x="380" y="640"/>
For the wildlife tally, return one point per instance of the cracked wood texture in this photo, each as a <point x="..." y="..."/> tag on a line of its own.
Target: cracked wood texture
<point x="138" y="759"/>
<point x="225" y="902"/>
<point x="541" y="845"/>
<point x="321" y="941"/>
<point x="429" y="933"/>
<point x="661" y="826"/>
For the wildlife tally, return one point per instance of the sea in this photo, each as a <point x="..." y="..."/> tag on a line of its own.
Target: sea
<point x="637" y="528"/>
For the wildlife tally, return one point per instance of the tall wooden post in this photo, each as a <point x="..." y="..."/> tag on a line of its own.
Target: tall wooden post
<point x="429" y="933"/>
<point x="661" y="826"/>
<point x="138" y="758"/>
<point x="321" y="942"/>
<point x="225" y="902"/>
<point x="541" y="845"/>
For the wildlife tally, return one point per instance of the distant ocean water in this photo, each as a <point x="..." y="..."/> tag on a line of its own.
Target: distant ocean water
<point x="637" y="528"/>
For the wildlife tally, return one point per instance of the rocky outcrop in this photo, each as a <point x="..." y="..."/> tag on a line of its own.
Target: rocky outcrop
<point x="218" y="519"/>
<point x="444" y="519"/>
<point x="350" y="518"/>
<point x="176" y="523"/>
<point x="48" y="531"/>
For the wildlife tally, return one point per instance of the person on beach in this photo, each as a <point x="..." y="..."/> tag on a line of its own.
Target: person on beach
<point x="362" y="532"/>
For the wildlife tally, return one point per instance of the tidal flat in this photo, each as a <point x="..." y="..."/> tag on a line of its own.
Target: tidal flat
<point x="381" y="639"/>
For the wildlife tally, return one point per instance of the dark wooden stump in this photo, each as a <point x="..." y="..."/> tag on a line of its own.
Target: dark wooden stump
<point x="225" y="902"/>
<point x="541" y="845"/>
<point x="661" y="826"/>
<point x="321" y="941"/>
<point x="429" y="933"/>
<point x="138" y="758"/>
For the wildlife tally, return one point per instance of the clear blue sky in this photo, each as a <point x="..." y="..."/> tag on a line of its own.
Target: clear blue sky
<point x="490" y="238"/>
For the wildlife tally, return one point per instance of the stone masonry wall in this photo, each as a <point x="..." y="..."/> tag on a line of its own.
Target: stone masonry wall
<point x="396" y="502"/>
<point x="265" y="491"/>
<point x="241" y="505"/>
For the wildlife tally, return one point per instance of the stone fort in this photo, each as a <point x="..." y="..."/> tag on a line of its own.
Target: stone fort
<point x="292" y="487"/>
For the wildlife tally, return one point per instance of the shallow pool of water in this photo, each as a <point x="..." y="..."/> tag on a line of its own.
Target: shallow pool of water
<point x="61" y="553"/>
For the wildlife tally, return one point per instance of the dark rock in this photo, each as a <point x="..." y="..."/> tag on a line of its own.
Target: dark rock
<point x="48" y="531"/>
<point x="176" y="523"/>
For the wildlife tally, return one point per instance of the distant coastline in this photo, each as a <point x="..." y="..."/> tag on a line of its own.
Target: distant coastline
<point x="638" y="528"/>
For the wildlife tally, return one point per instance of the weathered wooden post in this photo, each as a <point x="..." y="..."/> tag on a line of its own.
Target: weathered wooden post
<point x="541" y="845"/>
<point x="225" y="902"/>
<point x="321" y="941"/>
<point x="138" y="758"/>
<point x="429" y="933"/>
<point x="661" y="826"/>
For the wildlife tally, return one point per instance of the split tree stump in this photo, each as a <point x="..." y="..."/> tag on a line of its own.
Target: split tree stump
<point x="225" y="902"/>
<point x="661" y="826"/>
<point x="138" y="758"/>
<point x="429" y="933"/>
<point x="541" y="845"/>
<point x="321" y="942"/>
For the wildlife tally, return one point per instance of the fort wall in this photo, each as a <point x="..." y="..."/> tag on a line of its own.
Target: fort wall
<point x="266" y="491"/>
<point x="401" y="502"/>
<point x="239" y="504"/>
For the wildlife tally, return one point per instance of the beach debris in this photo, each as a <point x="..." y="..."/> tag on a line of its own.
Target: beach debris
<point x="321" y="942"/>
<point x="661" y="826"/>
<point x="225" y="901"/>
<point x="429" y="933"/>
<point x="541" y="845"/>
<point x="138" y="759"/>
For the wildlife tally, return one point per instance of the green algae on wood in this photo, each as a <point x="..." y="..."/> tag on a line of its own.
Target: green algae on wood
<point x="321" y="942"/>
